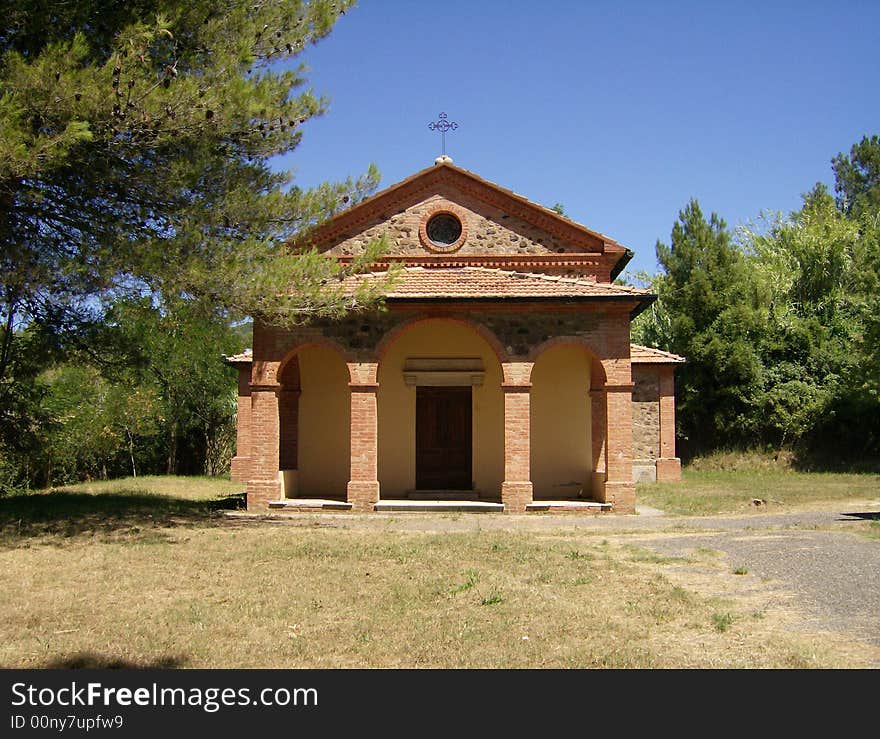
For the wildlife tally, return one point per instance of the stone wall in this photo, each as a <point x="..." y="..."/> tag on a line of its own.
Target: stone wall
<point x="516" y="332"/>
<point x="646" y="422"/>
<point x="490" y="232"/>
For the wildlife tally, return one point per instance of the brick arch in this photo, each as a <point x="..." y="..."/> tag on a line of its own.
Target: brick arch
<point x="598" y="378"/>
<point x="287" y="367"/>
<point x="392" y="335"/>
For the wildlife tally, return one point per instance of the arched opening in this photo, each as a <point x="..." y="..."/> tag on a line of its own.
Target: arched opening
<point x="561" y="434"/>
<point x="288" y="425"/>
<point x="440" y="413"/>
<point x="314" y="428"/>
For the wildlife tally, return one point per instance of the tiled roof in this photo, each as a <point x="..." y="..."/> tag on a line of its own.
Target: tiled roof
<point x="246" y="357"/>
<point x="639" y="355"/>
<point x="648" y="355"/>
<point x="469" y="283"/>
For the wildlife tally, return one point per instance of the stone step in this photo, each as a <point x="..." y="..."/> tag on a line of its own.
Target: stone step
<point x="310" y="504"/>
<point x="442" y="494"/>
<point x="573" y="506"/>
<point x="439" y="506"/>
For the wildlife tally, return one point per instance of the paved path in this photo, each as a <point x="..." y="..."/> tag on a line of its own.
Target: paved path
<point x="834" y="576"/>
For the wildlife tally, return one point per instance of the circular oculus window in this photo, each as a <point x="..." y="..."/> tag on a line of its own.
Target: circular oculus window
<point x="443" y="229"/>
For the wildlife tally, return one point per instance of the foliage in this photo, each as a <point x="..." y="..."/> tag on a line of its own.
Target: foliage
<point x="707" y="311"/>
<point x="135" y="147"/>
<point x="166" y="404"/>
<point x="857" y="177"/>
<point x="779" y="325"/>
<point x="134" y="155"/>
<point x="178" y="356"/>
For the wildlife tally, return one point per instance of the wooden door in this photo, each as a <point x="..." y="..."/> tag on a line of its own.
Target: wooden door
<point x="443" y="438"/>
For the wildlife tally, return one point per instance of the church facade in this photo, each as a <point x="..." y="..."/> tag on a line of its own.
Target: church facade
<point x="499" y="375"/>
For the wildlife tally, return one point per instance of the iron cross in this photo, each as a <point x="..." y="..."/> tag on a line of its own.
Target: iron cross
<point x="443" y="126"/>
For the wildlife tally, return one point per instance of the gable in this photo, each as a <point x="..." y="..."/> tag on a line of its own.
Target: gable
<point x="487" y="230"/>
<point x="497" y="228"/>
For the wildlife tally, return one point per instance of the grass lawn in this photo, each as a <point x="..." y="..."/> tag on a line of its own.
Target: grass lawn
<point x="732" y="491"/>
<point x="149" y="572"/>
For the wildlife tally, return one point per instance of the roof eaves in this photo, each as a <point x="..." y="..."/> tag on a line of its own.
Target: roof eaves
<point x="621" y="263"/>
<point x="520" y="299"/>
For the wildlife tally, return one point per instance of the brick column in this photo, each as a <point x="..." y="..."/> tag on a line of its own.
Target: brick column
<point x="239" y="469"/>
<point x="263" y="485"/>
<point x="668" y="465"/>
<point x="620" y="490"/>
<point x="363" y="485"/>
<point x="516" y="490"/>
<point x="597" y="439"/>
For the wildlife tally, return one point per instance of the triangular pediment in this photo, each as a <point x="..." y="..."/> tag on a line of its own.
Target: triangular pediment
<point x="445" y="214"/>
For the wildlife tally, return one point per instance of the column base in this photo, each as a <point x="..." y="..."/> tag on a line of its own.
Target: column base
<point x="516" y="496"/>
<point x="668" y="469"/>
<point x="621" y="495"/>
<point x="261" y="492"/>
<point x="363" y="495"/>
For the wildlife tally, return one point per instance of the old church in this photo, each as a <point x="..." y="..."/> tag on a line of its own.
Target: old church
<point x="500" y="376"/>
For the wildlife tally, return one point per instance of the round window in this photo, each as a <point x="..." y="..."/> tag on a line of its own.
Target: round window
<point x="443" y="229"/>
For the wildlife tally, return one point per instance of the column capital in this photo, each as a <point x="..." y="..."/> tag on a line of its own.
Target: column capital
<point x="516" y="373"/>
<point x="363" y="373"/>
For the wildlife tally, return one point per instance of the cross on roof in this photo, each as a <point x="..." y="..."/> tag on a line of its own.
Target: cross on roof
<point x="443" y="125"/>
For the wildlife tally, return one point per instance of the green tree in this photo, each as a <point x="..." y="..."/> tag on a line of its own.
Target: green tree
<point x="135" y="141"/>
<point x="166" y="405"/>
<point x="135" y="146"/>
<point x="781" y="328"/>
<point x="177" y="358"/>
<point x="857" y="177"/>
<point x="96" y="426"/>
<point x="708" y="311"/>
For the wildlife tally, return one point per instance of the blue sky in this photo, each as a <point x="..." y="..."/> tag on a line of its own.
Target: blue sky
<point x="621" y="111"/>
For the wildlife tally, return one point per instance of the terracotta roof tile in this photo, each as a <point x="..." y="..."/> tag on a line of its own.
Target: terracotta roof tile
<point x="648" y="355"/>
<point x="420" y="283"/>
<point x="246" y="357"/>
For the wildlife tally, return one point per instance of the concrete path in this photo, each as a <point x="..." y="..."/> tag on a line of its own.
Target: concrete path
<point x="833" y="575"/>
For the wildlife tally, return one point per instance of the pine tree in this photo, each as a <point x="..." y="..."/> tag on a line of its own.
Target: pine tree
<point x="706" y="301"/>
<point x="135" y="142"/>
<point x="857" y="177"/>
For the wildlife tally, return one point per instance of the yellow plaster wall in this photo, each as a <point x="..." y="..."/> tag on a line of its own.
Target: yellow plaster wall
<point x="397" y="407"/>
<point x="324" y="424"/>
<point x="560" y="423"/>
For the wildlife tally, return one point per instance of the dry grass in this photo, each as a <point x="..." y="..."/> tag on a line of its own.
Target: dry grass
<point x="115" y="507"/>
<point x="705" y="491"/>
<point x="124" y="577"/>
<point x="186" y="488"/>
<point x="269" y="595"/>
<point x="870" y="529"/>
